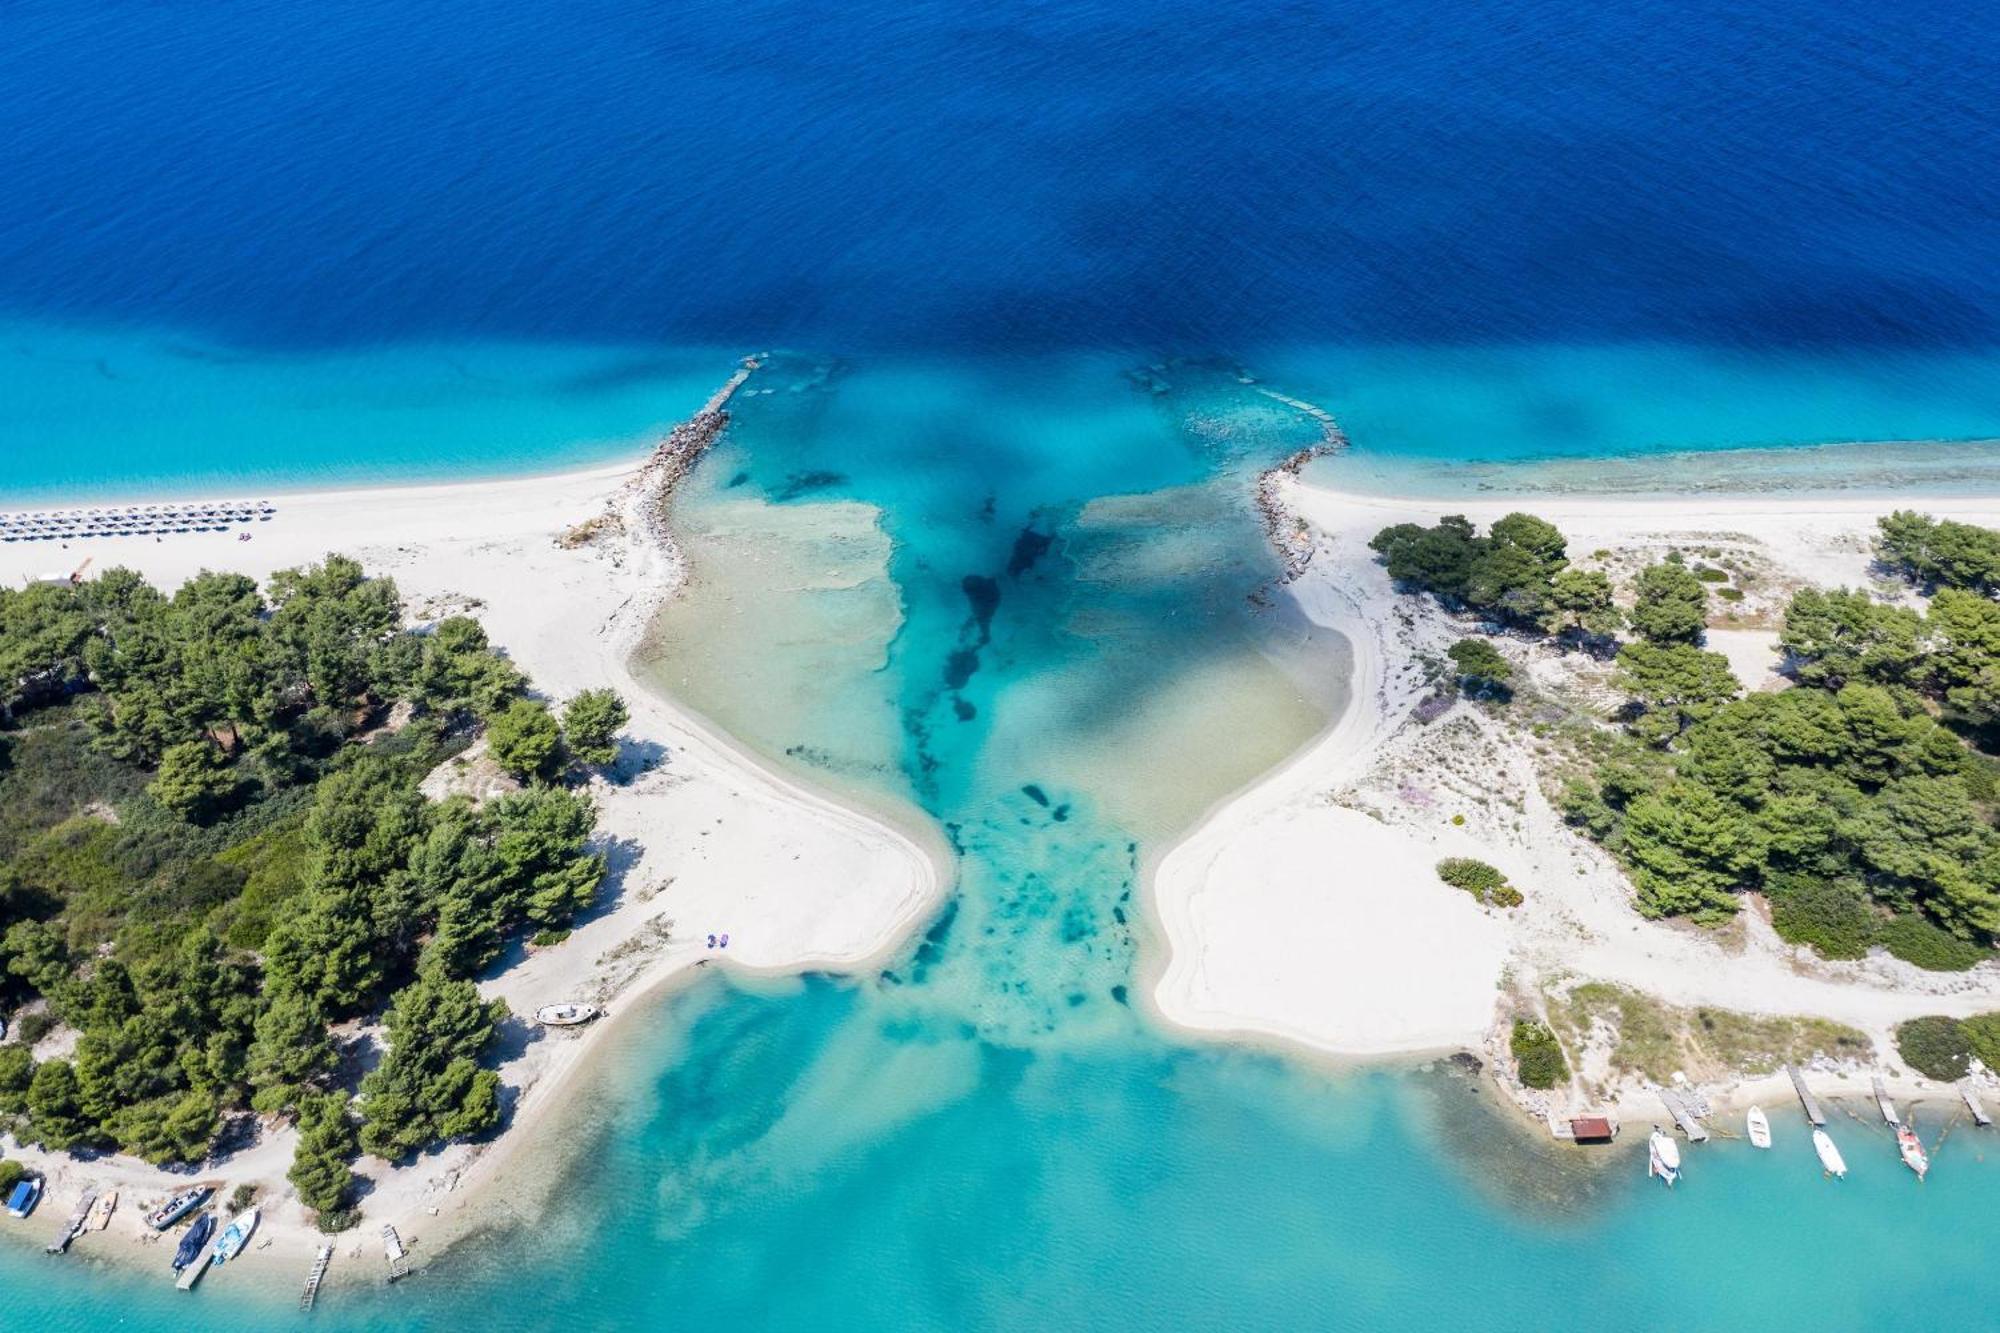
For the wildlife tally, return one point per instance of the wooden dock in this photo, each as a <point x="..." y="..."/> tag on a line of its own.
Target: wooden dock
<point x="1887" y="1107"/>
<point x="74" y="1227"/>
<point x="1814" y="1116"/>
<point x="1683" y="1113"/>
<point x="398" y="1257"/>
<point x="314" y="1278"/>
<point x="192" y="1273"/>
<point x="1973" y="1104"/>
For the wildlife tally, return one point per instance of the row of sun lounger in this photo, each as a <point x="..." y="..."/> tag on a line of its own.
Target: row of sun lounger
<point x="132" y="520"/>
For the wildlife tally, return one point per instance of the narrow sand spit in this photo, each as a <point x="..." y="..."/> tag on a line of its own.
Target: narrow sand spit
<point x="704" y="837"/>
<point x="1307" y="908"/>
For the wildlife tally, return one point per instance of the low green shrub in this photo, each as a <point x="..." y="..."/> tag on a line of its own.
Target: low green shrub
<point x="1983" y="1032"/>
<point x="34" y="1026"/>
<point x="1482" y="881"/>
<point x="11" y="1172"/>
<point x="1916" y="939"/>
<point x="544" y="938"/>
<point x="1710" y="574"/>
<point x="1730" y="594"/>
<point x="1935" y="1046"/>
<point x="336" y="1220"/>
<point x="1538" y="1056"/>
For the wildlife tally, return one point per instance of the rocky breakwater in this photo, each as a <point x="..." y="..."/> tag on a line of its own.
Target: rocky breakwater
<point x="641" y="506"/>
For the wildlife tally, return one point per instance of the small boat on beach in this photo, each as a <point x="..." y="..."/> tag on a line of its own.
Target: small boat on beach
<point x="100" y="1212"/>
<point x="1663" y="1157"/>
<point x="178" y="1206"/>
<point x="1829" y="1156"/>
<point x="234" y="1237"/>
<point x="26" y="1195"/>
<point x="194" y="1241"/>
<point x="1912" y="1149"/>
<point x="1760" y="1127"/>
<point x="566" y="1015"/>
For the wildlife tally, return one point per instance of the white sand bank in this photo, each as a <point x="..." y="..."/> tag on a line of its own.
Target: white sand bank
<point x="708" y="840"/>
<point x="1307" y="908"/>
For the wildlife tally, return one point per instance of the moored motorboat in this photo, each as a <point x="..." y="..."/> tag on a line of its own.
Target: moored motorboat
<point x="192" y="1243"/>
<point x="25" y="1196"/>
<point x="178" y="1206"/>
<point x="566" y="1015"/>
<point x="1663" y="1157"/>
<point x="1760" y="1127"/>
<point x="234" y="1237"/>
<point x="1912" y="1149"/>
<point x="1829" y="1156"/>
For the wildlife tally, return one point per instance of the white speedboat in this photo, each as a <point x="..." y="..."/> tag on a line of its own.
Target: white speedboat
<point x="234" y="1237"/>
<point x="1829" y="1156"/>
<point x="1663" y="1157"/>
<point x="566" y="1015"/>
<point x="1760" y="1127"/>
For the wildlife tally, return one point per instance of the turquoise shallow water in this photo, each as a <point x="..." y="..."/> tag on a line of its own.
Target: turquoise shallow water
<point x="253" y="246"/>
<point x="1021" y="596"/>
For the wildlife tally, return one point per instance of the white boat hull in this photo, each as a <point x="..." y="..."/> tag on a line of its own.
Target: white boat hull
<point x="1829" y="1156"/>
<point x="1760" y="1128"/>
<point x="1663" y="1158"/>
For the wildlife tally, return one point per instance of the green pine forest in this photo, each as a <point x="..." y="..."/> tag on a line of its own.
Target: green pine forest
<point x="215" y="858"/>
<point x="1861" y="801"/>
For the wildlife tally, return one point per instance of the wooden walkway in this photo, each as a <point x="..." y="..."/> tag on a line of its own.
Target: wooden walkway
<point x="314" y="1278"/>
<point x="1682" y="1110"/>
<point x="1973" y="1104"/>
<point x="1814" y="1116"/>
<point x="74" y="1227"/>
<point x="398" y="1257"/>
<point x="1887" y="1107"/>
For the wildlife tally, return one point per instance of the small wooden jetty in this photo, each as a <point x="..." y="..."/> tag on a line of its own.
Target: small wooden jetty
<point x="310" y="1292"/>
<point x="398" y="1257"/>
<point x="73" y="1228"/>
<point x="1814" y="1116"/>
<point x="1887" y="1107"/>
<point x="1684" y="1116"/>
<point x="192" y="1273"/>
<point x="1973" y="1104"/>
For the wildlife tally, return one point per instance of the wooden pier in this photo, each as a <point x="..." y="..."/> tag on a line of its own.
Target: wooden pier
<point x="1814" y="1116"/>
<point x="1683" y="1113"/>
<point x="1887" y="1107"/>
<point x="74" y="1227"/>
<point x="192" y="1273"/>
<point x="1973" y="1104"/>
<point x="398" y="1257"/>
<point x="314" y="1278"/>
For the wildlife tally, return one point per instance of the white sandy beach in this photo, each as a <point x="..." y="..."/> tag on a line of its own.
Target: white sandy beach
<point x="708" y="840"/>
<point x="1307" y="909"/>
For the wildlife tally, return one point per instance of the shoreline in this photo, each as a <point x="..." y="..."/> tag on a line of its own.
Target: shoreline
<point x="1257" y="943"/>
<point x="708" y="826"/>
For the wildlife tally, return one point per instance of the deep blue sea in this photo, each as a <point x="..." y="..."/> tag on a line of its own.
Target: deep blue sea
<point x="1013" y="257"/>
